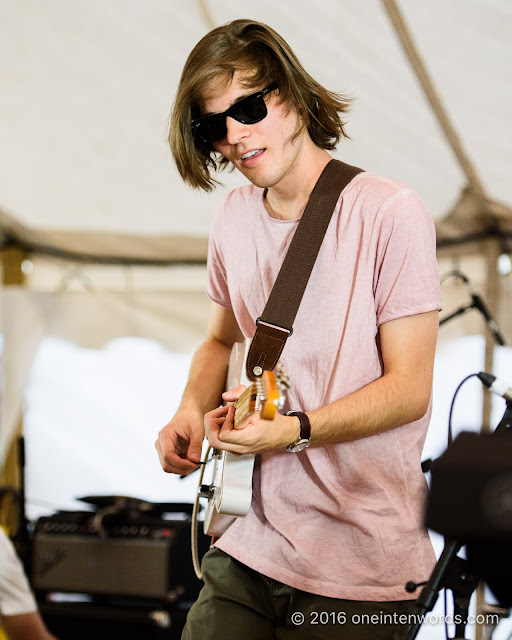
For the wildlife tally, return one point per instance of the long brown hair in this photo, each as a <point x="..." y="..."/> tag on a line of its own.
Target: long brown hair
<point x="253" y="47"/>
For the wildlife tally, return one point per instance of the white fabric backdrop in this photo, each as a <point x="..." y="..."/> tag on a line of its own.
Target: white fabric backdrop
<point x="90" y="319"/>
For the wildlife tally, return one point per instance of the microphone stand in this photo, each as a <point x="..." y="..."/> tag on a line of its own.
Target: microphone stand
<point x="505" y="425"/>
<point x="460" y="311"/>
<point x="451" y="572"/>
<point x="478" y="304"/>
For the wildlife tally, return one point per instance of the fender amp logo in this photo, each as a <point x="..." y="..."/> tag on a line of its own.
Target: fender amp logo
<point x="50" y="558"/>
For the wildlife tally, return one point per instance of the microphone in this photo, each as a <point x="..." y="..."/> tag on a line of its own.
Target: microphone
<point x="496" y="385"/>
<point x="478" y="303"/>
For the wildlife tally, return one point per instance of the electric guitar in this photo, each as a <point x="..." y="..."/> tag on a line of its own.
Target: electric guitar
<point x="230" y="493"/>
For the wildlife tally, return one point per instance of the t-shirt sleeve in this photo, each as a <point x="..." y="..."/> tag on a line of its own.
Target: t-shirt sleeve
<point x="217" y="285"/>
<point x="16" y="597"/>
<point x="406" y="277"/>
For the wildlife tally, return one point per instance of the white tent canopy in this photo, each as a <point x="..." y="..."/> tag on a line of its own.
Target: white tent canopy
<point x="87" y="88"/>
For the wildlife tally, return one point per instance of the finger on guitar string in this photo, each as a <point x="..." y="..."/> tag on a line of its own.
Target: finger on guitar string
<point x="219" y="412"/>
<point x="214" y="421"/>
<point x="233" y="394"/>
<point x="229" y="421"/>
<point x="229" y="434"/>
<point x="255" y="435"/>
<point x="221" y="434"/>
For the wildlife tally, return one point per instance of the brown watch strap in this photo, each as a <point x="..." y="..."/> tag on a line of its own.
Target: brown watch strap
<point x="305" y="424"/>
<point x="275" y="325"/>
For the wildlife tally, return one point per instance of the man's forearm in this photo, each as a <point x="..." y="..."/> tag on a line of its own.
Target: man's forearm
<point x="207" y="376"/>
<point x="400" y="396"/>
<point x="385" y="403"/>
<point x="26" y="626"/>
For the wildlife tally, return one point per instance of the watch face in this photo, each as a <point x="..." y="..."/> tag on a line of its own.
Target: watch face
<point x="300" y="445"/>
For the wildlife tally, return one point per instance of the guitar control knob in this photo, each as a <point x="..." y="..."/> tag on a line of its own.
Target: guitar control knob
<point x="206" y="491"/>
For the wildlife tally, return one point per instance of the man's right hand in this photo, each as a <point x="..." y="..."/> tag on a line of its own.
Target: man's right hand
<point x="179" y="443"/>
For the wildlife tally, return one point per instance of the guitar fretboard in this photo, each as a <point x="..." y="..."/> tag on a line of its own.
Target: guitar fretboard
<point x="248" y="402"/>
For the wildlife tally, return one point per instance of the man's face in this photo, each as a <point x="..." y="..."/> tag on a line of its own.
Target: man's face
<point x="263" y="152"/>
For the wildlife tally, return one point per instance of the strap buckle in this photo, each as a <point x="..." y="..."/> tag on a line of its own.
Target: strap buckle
<point x="275" y="326"/>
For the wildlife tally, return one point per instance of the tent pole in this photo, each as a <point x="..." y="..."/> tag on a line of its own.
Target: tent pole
<point x="432" y="95"/>
<point x="207" y="16"/>
<point x="12" y="275"/>
<point x="12" y="259"/>
<point x="492" y="295"/>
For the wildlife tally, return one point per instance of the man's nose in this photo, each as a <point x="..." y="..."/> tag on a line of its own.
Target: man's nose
<point x="236" y="131"/>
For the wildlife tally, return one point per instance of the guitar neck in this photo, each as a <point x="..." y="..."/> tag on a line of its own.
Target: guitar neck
<point x="245" y="405"/>
<point x="261" y="396"/>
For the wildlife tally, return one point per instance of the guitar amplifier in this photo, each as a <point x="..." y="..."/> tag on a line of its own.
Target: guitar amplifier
<point x="133" y="557"/>
<point x="87" y="564"/>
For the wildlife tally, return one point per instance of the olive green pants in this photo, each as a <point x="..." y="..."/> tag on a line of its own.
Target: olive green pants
<point x="237" y="603"/>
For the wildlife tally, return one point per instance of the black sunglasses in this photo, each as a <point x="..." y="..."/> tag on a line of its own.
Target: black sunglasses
<point x="248" y="110"/>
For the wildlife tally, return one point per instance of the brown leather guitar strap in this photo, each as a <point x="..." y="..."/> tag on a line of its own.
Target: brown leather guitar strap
<point x="275" y="325"/>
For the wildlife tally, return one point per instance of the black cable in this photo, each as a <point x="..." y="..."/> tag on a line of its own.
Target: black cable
<point x="450" y="440"/>
<point x="427" y="464"/>
<point x="450" y="435"/>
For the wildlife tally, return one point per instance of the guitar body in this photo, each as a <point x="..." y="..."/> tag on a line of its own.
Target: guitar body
<point x="230" y="494"/>
<point x="232" y="475"/>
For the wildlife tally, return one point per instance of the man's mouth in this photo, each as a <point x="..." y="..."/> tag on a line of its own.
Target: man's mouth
<point x="249" y="156"/>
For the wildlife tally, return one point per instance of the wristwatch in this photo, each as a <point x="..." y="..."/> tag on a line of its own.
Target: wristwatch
<point x="304" y="439"/>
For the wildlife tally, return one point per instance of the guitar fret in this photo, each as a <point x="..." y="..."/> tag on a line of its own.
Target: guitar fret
<point x="242" y="406"/>
<point x="244" y="398"/>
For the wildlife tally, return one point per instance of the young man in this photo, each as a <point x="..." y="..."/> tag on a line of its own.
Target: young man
<point x="335" y="530"/>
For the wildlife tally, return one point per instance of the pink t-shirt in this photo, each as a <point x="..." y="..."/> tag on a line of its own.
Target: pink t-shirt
<point x="342" y="520"/>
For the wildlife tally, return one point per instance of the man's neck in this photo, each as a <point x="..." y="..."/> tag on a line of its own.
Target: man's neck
<point x="288" y="199"/>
